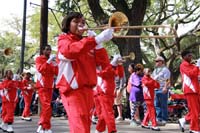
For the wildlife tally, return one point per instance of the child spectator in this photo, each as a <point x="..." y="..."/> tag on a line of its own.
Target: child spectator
<point x="136" y="95"/>
<point x="149" y="85"/>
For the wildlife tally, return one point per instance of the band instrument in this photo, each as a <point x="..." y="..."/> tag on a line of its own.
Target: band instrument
<point x="7" y="51"/>
<point x="119" y="22"/>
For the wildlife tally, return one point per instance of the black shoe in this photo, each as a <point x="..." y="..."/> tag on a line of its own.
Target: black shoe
<point x="143" y="126"/>
<point x="155" y="128"/>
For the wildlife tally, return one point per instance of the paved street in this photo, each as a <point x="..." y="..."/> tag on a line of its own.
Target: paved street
<point x="60" y="125"/>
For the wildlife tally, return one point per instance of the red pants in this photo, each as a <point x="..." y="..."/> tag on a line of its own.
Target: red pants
<point x="27" y="101"/>
<point x="78" y="105"/>
<point x="45" y="96"/>
<point x="8" y="109"/>
<point x="150" y="114"/>
<point x="193" y="115"/>
<point x="105" y="113"/>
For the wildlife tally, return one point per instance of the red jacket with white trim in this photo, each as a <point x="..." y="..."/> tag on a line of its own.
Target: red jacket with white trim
<point x="189" y="74"/>
<point x="149" y="85"/>
<point x="76" y="62"/>
<point x="45" y="72"/>
<point x="106" y="74"/>
<point x="27" y="89"/>
<point x="8" y="90"/>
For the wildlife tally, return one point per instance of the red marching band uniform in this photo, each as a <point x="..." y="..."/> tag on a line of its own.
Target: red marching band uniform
<point x="45" y="83"/>
<point x="104" y="97"/>
<point x="9" y="99"/>
<point x="76" y="81"/>
<point x="149" y="85"/>
<point x="27" y="93"/>
<point x="189" y="73"/>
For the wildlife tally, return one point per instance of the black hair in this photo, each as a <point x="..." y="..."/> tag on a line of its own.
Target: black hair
<point x="7" y="71"/>
<point x="132" y="65"/>
<point x="67" y="20"/>
<point x="44" y="46"/>
<point x="184" y="53"/>
<point x="28" y="74"/>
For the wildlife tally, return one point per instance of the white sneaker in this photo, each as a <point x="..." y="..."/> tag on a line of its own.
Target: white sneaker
<point x="27" y="118"/>
<point x="96" y="131"/>
<point x="2" y="123"/>
<point x="192" y="131"/>
<point x="155" y="128"/>
<point x="164" y="122"/>
<point x="119" y="119"/>
<point x="10" y="129"/>
<point x="181" y="123"/>
<point x="94" y="119"/>
<point x="48" y="131"/>
<point x="39" y="129"/>
<point x="4" y="126"/>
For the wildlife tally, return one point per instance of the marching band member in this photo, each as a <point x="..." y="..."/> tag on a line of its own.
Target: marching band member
<point x="190" y="86"/>
<point x="117" y="63"/>
<point x="105" y="96"/>
<point x="148" y="85"/>
<point x="46" y="70"/>
<point x="27" y="93"/>
<point x="9" y="99"/>
<point x="77" y="59"/>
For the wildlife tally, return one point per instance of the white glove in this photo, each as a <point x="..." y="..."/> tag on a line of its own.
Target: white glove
<point x="16" y="77"/>
<point x="115" y="60"/>
<point x="99" y="46"/>
<point x="198" y="62"/>
<point x="51" y="58"/>
<point x="91" y="33"/>
<point x="29" y="88"/>
<point x="104" y="36"/>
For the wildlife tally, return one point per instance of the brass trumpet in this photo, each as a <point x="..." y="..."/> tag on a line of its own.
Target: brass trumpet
<point x="131" y="56"/>
<point x="7" y="51"/>
<point x="119" y="22"/>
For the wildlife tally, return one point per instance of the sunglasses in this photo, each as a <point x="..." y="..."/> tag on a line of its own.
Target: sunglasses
<point x="157" y="61"/>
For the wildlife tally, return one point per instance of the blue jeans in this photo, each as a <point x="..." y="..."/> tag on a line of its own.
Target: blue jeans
<point x="161" y="105"/>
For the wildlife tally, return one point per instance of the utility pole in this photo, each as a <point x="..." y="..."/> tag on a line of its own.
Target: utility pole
<point x="43" y="24"/>
<point x="23" y="38"/>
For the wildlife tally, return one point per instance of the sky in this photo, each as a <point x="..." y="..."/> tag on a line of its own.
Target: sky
<point x="8" y="8"/>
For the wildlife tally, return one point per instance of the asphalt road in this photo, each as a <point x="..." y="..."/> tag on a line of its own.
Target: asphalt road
<point x="60" y="125"/>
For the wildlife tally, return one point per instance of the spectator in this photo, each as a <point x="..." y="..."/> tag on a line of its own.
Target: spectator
<point x="136" y="95"/>
<point x="161" y="74"/>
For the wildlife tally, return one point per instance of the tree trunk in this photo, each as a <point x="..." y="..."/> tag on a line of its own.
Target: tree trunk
<point x="135" y="16"/>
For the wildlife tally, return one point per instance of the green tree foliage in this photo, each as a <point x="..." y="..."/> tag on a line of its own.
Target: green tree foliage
<point x="10" y="39"/>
